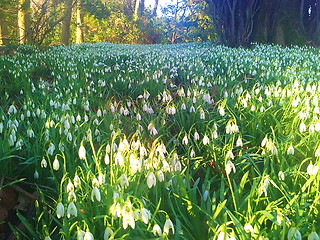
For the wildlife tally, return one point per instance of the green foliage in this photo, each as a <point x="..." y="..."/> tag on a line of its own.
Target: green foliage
<point x="194" y="140"/>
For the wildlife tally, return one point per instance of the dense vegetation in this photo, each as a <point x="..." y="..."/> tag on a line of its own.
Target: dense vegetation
<point x="190" y="141"/>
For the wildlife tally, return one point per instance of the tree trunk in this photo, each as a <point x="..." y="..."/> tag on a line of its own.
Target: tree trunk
<point x="65" y="29"/>
<point x="79" y="36"/>
<point x="136" y="10"/>
<point x="24" y="33"/>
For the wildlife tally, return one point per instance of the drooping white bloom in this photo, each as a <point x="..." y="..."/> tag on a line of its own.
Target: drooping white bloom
<point x="119" y="159"/>
<point x="36" y="175"/>
<point x="290" y="150"/>
<point x="312" y="169"/>
<point x="124" y="182"/>
<point x="88" y="236"/>
<point x="151" y="180"/>
<point x="160" y="176"/>
<point x="313" y="236"/>
<point x="145" y="215"/>
<point x="248" y="228"/>
<point x="302" y="127"/>
<point x="205" y="140"/>
<point x="294" y="234"/>
<point x="56" y="164"/>
<point x="156" y="230"/>
<point x="128" y="218"/>
<point x="185" y="140"/>
<point x="229" y="155"/>
<point x="82" y="152"/>
<point x="135" y="164"/>
<point x="196" y="136"/>
<point x="72" y="210"/>
<point x="43" y="163"/>
<point x="281" y="176"/>
<point x="177" y="166"/>
<point x="107" y="233"/>
<point x="205" y="195"/>
<point x="167" y="226"/>
<point x="239" y="142"/>
<point x="230" y="167"/>
<point x="95" y="193"/>
<point x="60" y="210"/>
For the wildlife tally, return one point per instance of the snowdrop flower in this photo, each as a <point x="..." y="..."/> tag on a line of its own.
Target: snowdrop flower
<point x="281" y="176"/>
<point x="56" y="164"/>
<point x="76" y="181"/>
<point x="119" y="159"/>
<point x="294" y="234"/>
<point x="145" y="215"/>
<point x="302" y="127"/>
<point x="72" y="210"/>
<point x="229" y="155"/>
<point x="82" y="152"/>
<point x="47" y="238"/>
<point x="156" y="230"/>
<point x="248" y="228"/>
<point x="88" y="236"/>
<point x="80" y="234"/>
<point x="290" y="150"/>
<point x="135" y="164"/>
<point x="70" y="187"/>
<point x="205" y="195"/>
<point x="95" y="193"/>
<point x="313" y="236"/>
<point x="168" y="225"/>
<point x="202" y="114"/>
<point x="107" y="233"/>
<point x="317" y="153"/>
<point x="128" y="218"/>
<point x="221" y="111"/>
<point x="124" y="180"/>
<point x="36" y="175"/>
<point x="312" y="169"/>
<point x="239" y="142"/>
<point x="60" y="210"/>
<point x="196" y="136"/>
<point x="51" y="149"/>
<point x="264" y="186"/>
<point x="151" y="180"/>
<point x="160" y="176"/>
<point x="229" y="167"/>
<point x="185" y="140"/>
<point x="43" y="163"/>
<point x="205" y="140"/>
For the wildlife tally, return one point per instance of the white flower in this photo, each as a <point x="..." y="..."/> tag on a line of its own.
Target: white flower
<point x="205" y="140"/>
<point x="177" y="166"/>
<point x="56" y="164"/>
<point x="294" y="234"/>
<point x="185" y="140"/>
<point x="151" y="180"/>
<point x="135" y="164"/>
<point x="248" y="228"/>
<point x="156" y="230"/>
<point x="60" y="210"/>
<point x="119" y="159"/>
<point x="168" y="225"/>
<point x="229" y="155"/>
<point x="312" y="169"/>
<point x="47" y="238"/>
<point x="160" y="176"/>
<point x="221" y="111"/>
<point x="196" y="136"/>
<point x="72" y="210"/>
<point x="51" y="149"/>
<point x="128" y="218"/>
<point x="95" y="193"/>
<point x="313" y="236"/>
<point x="36" y="175"/>
<point x="205" y="195"/>
<point x="88" y="236"/>
<point x="290" y="150"/>
<point x="124" y="180"/>
<point x="76" y="181"/>
<point x="317" y="153"/>
<point x="239" y="142"/>
<point x="302" y="127"/>
<point x="145" y="215"/>
<point x="107" y="233"/>
<point x="229" y="167"/>
<point x="82" y="152"/>
<point x="281" y="175"/>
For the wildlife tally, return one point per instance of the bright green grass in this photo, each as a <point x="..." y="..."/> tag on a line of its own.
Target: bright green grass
<point x="189" y="141"/>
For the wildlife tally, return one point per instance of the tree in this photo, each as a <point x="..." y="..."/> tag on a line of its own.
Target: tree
<point x="65" y="28"/>
<point x="24" y="33"/>
<point x="234" y="20"/>
<point x="79" y="33"/>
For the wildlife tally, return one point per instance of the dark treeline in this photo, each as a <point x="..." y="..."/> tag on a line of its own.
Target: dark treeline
<point x="232" y="22"/>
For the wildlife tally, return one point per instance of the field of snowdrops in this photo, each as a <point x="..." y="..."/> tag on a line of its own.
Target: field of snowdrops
<point x="194" y="141"/>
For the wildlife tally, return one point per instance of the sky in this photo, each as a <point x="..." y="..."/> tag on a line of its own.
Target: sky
<point x="161" y="4"/>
